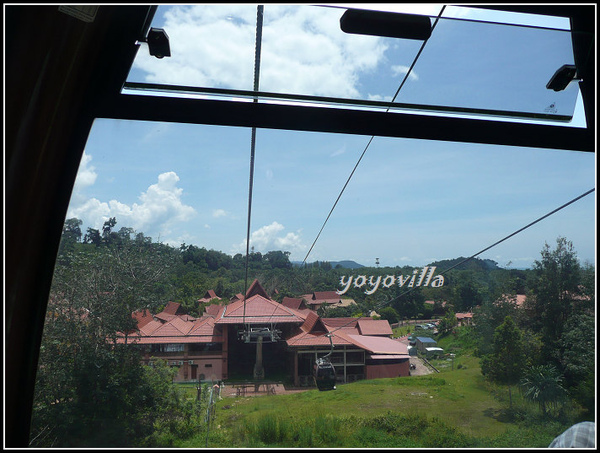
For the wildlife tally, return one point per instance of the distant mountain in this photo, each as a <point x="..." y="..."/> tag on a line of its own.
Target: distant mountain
<point x="346" y="264"/>
<point x="472" y="264"/>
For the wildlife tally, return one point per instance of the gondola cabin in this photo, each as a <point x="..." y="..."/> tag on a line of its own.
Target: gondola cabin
<point x="324" y="374"/>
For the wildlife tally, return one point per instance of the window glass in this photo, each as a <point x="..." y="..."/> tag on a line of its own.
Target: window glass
<point x="476" y="62"/>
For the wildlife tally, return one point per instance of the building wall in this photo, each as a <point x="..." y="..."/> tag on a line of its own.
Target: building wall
<point x="210" y="364"/>
<point x="210" y="367"/>
<point x="388" y="370"/>
<point x="422" y="345"/>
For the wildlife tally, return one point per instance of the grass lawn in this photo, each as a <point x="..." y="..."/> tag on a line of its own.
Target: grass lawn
<point x="453" y="408"/>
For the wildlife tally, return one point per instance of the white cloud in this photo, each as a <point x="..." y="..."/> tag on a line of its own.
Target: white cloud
<point x="401" y="70"/>
<point x="303" y="50"/>
<point x="160" y="208"/>
<point x="268" y="238"/>
<point x="339" y="151"/>
<point x="86" y="175"/>
<point x="219" y="213"/>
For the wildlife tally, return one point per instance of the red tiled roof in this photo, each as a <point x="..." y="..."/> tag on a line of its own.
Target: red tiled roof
<point x="464" y="315"/>
<point x="165" y="317"/>
<point x="312" y="339"/>
<point x="345" y="323"/>
<point x="211" y="294"/>
<point x="203" y="326"/>
<point x="212" y="310"/>
<point x="292" y="302"/>
<point x="256" y="289"/>
<point x="171" y="308"/>
<point x="178" y="330"/>
<point x="208" y="296"/>
<point x="374" y="327"/>
<point x="432" y="302"/>
<point x="142" y="317"/>
<point x="149" y="328"/>
<point x="313" y="323"/>
<point x="257" y="310"/>
<point x="325" y="295"/>
<point x="379" y="345"/>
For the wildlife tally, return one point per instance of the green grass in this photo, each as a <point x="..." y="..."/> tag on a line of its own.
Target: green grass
<point x="450" y="409"/>
<point x="453" y="408"/>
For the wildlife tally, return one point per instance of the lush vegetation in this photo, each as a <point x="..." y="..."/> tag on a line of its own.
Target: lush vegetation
<point x="457" y="408"/>
<point x="92" y="391"/>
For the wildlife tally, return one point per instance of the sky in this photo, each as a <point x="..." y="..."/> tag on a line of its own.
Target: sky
<point x="409" y="202"/>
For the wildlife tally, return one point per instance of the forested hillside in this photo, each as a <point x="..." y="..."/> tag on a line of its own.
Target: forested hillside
<point x="91" y="391"/>
<point x="188" y="271"/>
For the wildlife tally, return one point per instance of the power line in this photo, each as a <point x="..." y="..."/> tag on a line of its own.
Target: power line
<point x="372" y="137"/>
<point x="502" y="240"/>
<point x="483" y="250"/>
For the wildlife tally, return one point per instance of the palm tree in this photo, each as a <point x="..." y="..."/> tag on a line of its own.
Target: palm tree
<point x="543" y="385"/>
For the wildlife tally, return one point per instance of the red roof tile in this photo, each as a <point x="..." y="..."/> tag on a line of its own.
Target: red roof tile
<point x="142" y="317"/>
<point x="313" y="323"/>
<point x="212" y="310"/>
<point x="325" y="295"/>
<point x="172" y="308"/>
<point x="256" y="289"/>
<point x="374" y="327"/>
<point x="312" y="339"/>
<point x="257" y="310"/>
<point x="178" y="330"/>
<point x="291" y="302"/>
<point x="379" y="345"/>
<point x="149" y="328"/>
<point x="208" y="296"/>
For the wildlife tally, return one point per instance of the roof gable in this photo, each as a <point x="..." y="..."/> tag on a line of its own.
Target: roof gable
<point x="313" y="324"/>
<point x="203" y="326"/>
<point x="210" y="294"/>
<point x="256" y="289"/>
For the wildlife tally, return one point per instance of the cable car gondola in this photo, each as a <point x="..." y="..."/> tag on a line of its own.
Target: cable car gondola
<point x="324" y="372"/>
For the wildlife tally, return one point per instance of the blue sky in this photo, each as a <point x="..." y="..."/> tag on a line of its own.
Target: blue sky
<point x="410" y="201"/>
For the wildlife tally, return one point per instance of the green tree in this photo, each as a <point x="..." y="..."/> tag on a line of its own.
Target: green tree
<point x="555" y="289"/>
<point x="92" y="236"/>
<point x="389" y="314"/>
<point x="578" y="348"/>
<point x="88" y="385"/>
<point x="447" y="323"/>
<point x="487" y="318"/>
<point x="278" y="259"/>
<point x="504" y="365"/>
<point x="543" y="385"/>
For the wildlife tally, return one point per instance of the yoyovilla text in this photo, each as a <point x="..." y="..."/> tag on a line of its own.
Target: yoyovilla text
<point x="425" y="278"/>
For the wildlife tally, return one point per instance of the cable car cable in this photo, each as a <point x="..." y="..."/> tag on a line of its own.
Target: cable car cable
<point x="257" y="49"/>
<point x="372" y="137"/>
<point x="501" y="240"/>
<point x="485" y="249"/>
